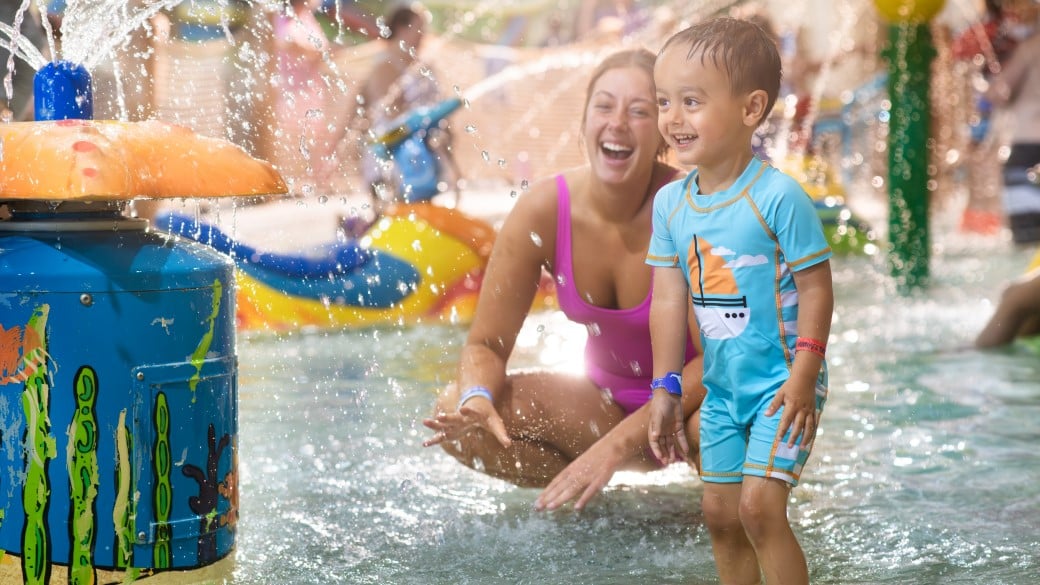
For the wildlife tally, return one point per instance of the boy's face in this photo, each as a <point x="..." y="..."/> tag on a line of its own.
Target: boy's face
<point x="698" y="114"/>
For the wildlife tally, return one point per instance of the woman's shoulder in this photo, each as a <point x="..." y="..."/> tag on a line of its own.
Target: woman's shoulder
<point x="535" y="206"/>
<point x="669" y="174"/>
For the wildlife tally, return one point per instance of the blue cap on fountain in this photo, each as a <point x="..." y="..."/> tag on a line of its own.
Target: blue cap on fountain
<point x="62" y="90"/>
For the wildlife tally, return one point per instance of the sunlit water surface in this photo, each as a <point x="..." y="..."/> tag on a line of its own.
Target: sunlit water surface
<point x="924" y="472"/>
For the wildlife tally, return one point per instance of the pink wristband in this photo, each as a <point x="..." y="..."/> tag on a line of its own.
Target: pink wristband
<point x="809" y="344"/>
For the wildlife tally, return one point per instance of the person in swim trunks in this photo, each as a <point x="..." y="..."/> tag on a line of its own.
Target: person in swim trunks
<point x="741" y="244"/>
<point x="563" y="432"/>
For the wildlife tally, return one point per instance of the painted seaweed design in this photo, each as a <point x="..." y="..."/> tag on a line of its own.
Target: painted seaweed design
<point x="123" y="510"/>
<point x="83" y="478"/>
<point x="40" y="448"/>
<point x="162" y="552"/>
<point x="198" y="356"/>
<point x="205" y="504"/>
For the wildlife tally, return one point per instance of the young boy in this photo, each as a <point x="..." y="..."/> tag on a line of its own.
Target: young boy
<point x="741" y="243"/>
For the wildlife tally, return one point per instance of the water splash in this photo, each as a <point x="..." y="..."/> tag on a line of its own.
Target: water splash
<point x="90" y="30"/>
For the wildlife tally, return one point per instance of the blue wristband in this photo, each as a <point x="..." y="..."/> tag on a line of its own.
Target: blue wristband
<point x="671" y="382"/>
<point x="473" y="392"/>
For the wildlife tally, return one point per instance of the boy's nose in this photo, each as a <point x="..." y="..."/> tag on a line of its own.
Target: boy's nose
<point x="669" y="117"/>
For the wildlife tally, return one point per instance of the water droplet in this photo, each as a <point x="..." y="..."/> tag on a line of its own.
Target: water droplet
<point x="470" y="128"/>
<point x="524" y="185"/>
<point x="485" y="155"/>
<point x="536" y="239"/>
<point x="513" y="194"/>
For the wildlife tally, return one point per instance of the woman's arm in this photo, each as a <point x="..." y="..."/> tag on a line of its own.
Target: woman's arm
<point x="587" y="475"/>
<point x="507" y="292"/>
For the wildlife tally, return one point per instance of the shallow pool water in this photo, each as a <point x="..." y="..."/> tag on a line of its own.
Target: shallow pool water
<point x="924" y="472"/>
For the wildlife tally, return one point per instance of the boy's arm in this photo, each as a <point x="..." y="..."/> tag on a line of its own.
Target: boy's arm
<point x="668" y="325"/>
<point x="798" y="394"/>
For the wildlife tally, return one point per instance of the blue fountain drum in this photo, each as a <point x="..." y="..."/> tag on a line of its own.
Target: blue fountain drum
<point x="118" y="405"/>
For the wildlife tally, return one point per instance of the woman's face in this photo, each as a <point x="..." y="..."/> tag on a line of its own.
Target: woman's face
<point x="620" y="129"/>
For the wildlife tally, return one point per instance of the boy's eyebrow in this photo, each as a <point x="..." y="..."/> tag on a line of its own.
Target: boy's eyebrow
<point x="688" y="88"/>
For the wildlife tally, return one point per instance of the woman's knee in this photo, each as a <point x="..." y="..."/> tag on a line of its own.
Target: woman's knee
<point x="471" y="449"/>
<point x="693" y="439"/>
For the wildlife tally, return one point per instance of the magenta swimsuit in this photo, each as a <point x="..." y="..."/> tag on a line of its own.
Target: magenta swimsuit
<point x="618" y="357"/>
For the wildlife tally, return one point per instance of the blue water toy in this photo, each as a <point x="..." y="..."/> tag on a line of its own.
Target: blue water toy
<point x="417" y="169"/>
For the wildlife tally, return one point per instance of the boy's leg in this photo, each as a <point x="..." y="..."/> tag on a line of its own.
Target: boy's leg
<point x="723" y="452"/>
<point x="763" y="514"/>
<point x="734" y="556"/>
<point x="772" y="468"/>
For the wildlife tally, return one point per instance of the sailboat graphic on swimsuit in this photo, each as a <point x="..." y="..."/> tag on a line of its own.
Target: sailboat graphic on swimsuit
<point x="722" y="312"/>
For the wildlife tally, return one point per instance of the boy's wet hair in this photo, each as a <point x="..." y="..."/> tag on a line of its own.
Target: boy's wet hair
<point x="741" y="48"/>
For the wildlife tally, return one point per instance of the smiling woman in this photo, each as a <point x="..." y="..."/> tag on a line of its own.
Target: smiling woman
<point x="589" y="226"/>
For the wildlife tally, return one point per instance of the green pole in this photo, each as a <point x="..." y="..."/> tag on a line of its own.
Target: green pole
<point x="909" y="54"/>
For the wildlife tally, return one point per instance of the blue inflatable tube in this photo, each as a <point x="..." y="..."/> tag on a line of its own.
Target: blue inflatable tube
<point x="330" y="260"/>
<point x="342" y="274"/>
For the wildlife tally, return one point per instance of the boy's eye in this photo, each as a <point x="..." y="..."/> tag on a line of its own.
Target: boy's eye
<point x="662" y="103"/>
<point x="690" y="101"/>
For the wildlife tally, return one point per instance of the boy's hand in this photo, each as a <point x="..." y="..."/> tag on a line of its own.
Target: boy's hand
<point x="665" y="427"/>
<point x="799" y="402"/>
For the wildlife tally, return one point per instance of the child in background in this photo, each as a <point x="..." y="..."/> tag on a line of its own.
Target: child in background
<point x="741" y="243"/>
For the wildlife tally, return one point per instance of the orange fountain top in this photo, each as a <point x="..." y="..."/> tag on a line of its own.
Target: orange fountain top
<point x="104" y="160"/>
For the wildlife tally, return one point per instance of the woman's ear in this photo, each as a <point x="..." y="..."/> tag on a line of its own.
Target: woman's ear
<point x="755" y="108"/>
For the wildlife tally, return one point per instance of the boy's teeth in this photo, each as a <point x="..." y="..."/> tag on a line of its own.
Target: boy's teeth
<point x="615" y="147"/>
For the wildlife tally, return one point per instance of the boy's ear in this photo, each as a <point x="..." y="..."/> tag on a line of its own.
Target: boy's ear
<point x="755" y="107"/>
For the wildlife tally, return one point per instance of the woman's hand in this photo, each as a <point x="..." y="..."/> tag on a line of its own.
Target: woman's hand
<point x="477" y="412"/>
<point x="583" y="479"/>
